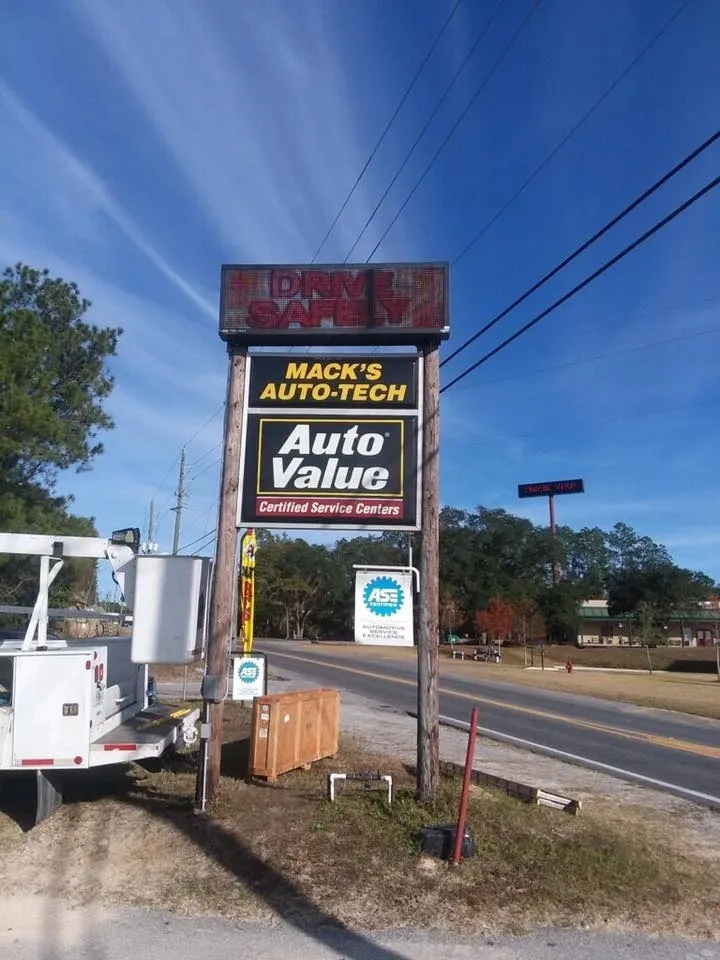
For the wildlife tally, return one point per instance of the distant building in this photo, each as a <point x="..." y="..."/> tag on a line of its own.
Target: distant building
<point x="691" y="628"/>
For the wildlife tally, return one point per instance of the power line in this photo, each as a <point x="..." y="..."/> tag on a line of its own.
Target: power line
<point x="204" y="470"/>
<point x="192" y="543"/>
<point x="205" y="425"/>
<point x="506" y="49"/>
<point x="588" y="280"/>
<point x="586" y="116"/>
<point x="187" y="443"/>
<point x="166" y="477"/>
<point x="206" y="454"/>
<point x="588" y="243"/>
<point x="599" y="356"/>
<point x="389" y="124"/>
<point x="430" y="119"/>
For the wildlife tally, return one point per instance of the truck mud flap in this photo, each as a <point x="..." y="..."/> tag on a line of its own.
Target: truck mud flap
<point x="49" y="795"/>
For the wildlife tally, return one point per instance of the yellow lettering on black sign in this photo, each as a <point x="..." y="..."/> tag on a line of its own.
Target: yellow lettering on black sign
<point x="333" y="371"/>
<point x="339" y="380"/>
<point x="353" y="392"/>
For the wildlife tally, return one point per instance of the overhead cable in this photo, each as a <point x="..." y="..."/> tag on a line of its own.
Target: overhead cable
<point x="192" y="543"/>
<point x="610" y="354"/>
<point x="584" y="283"/>
<point x="506" y="49"/>
<point x="586" y="116"/>
<point x="388" y="125"/>
<point x="588" y="243"/>
<point x="429" y="120"/>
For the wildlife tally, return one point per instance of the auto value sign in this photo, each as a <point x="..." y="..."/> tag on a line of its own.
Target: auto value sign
<point x="384" y="608"/>
<point x="331" y="443"/>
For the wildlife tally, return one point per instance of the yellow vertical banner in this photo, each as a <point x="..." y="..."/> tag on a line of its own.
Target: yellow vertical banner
<point x="248" y="549"/>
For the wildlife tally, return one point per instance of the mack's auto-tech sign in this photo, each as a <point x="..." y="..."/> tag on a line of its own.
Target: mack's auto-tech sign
<point x="331" y="442"/>
<point x="379" y="303"/>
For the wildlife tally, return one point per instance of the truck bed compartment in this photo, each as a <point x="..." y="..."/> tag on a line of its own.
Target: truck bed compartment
<point x="147" y="734"/>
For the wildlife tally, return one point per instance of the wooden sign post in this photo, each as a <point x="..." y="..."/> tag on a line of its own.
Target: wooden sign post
<point x="428" y="704"/>
<point x="224" y="586"/>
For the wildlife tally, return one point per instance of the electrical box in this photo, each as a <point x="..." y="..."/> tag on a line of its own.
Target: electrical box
<point x="171" y="609"/>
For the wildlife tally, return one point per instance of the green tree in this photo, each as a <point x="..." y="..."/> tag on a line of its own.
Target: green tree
<point x="527" y="621"/>
<point x="628" y="551"/>
<point x="668" y="589"/>
<point x="585" y="559"/>
<point x="490" y="553"/>
<point x="53" y="376"/>
<point x="292" y="585"/>
<point x="646" y="623"/>
<point x="559" y="606"/>
<point x="27" y="508"/>
<point x="53" y="381"/>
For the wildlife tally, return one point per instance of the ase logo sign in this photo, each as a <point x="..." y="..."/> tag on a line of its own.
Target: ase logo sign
<point x="383" y="596"/>
<point x="249" y="677"/>
<point x="384" y="607"/>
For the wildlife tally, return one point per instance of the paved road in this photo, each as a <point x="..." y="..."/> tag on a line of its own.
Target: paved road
<point x="681" y="752"/>
<point x="45" y="931"/>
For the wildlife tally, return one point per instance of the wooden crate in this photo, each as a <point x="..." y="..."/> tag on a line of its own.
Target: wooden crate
<point x="291" y="730"/>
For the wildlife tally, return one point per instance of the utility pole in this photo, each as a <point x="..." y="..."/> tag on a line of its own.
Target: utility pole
<point x="428" y="728"/>
<point x="179" y="503"/>
<point x="149" y="546"/>
<point x="224" y="586"/>
<point x="553" y="534"/>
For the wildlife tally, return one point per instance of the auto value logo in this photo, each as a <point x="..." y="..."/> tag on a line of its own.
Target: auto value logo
<point x="383" y="596"/>
<point x="346" y="451"/>
<point x="330" y="469"/>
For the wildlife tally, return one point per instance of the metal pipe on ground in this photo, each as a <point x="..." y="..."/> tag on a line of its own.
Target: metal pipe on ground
<point x="465" y="790"/>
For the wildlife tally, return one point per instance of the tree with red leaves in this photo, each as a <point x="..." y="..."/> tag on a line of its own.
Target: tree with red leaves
<point x="496" y="619"/>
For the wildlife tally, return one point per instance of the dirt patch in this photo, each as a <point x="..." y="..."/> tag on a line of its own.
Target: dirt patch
<point x="266" y="850"/>
<point x="167" y="673"/>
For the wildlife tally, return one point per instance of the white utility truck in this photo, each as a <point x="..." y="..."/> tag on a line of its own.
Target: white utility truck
<point x="69" y="705"/>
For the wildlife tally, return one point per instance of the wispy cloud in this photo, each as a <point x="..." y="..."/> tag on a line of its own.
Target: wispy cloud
<point x="87" y="187"/>
<point x="266" y="159"/>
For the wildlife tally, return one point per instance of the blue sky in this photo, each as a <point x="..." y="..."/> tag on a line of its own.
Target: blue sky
<point x="145" y="144"/>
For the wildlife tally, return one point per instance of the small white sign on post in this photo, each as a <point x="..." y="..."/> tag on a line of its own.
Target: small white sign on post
<point x="384" y="608"/>
<point x="248" y="677"/>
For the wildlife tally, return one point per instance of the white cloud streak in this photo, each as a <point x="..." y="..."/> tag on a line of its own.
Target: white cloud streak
<point x="89" y="189"/>
<point x="265" y="159"/>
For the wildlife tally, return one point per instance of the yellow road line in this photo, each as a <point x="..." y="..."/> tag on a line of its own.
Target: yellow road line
<point x="671" y="743"/>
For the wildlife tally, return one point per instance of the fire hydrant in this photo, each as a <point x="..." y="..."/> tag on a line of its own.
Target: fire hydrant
<point x="569" y="665"/>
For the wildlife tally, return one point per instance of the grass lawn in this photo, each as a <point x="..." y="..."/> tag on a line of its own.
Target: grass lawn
<point x="695" y="693"/>
<point x="285" y="849"/>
